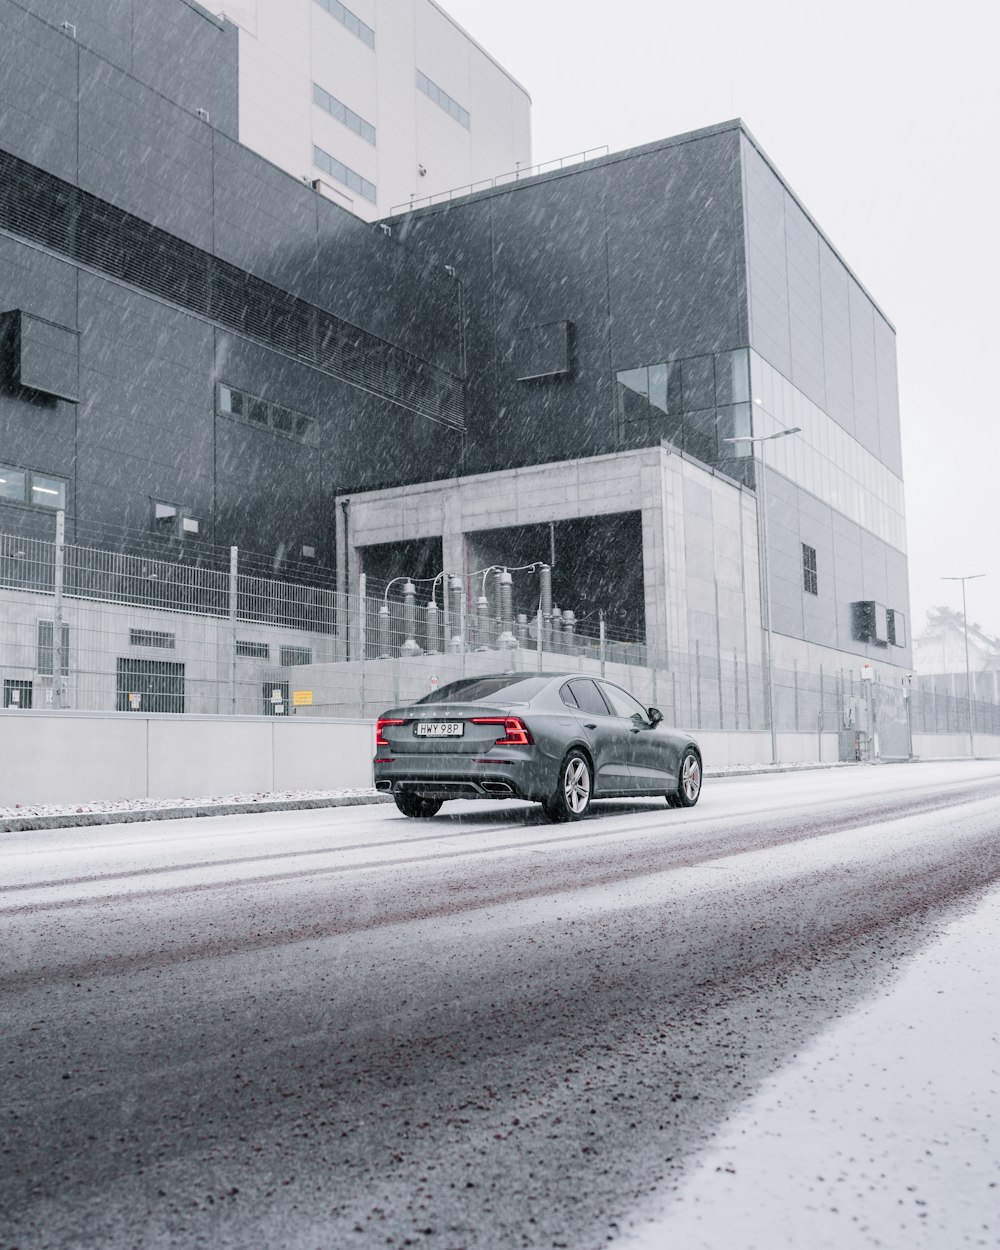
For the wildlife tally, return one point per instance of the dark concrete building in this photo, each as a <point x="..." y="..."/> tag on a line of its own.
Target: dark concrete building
<point x="199" y="350"/>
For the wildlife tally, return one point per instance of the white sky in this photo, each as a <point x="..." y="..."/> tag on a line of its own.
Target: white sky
<point x="883" y="117"/>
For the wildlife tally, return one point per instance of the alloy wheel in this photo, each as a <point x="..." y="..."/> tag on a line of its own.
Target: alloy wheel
<point x="576" y="785"/>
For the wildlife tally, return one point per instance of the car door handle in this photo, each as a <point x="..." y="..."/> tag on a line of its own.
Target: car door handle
<point x="589" y="725"/>
<point x="633" y="730"/>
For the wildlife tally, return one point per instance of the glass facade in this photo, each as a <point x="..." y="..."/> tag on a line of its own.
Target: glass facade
<point x="824" y="459"/>
<point x="694" y="404"/>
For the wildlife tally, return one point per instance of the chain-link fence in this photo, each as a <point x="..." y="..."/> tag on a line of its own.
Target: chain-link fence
<point x="94" y="629"/>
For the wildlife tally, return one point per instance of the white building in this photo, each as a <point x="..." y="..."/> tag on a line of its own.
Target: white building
<point x="383" y="102"/>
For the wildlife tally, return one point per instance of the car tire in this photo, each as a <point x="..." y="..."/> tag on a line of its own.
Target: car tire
<point x="414" y="805"/>
<point x="574" y="789"/>
<point x="688" y="781"/>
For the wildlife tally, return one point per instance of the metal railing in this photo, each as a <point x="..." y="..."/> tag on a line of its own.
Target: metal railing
<point x="103" y="630"/>
<point x="500" y="180"/>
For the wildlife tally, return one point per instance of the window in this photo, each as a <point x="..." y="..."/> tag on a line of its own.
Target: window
<point x="27" y="486"/>
<point x="694" y="404"/>
<point x="231" y="402"/>
<point x="48" y="492"/>
<point x="567" y="696"/>
<point x="16" y="693"/>
<point x="623" y="704"/>
<point x="171" y="519"/>
<point x="253" y="650"/>
<point x="442" y="99"/>
<point x="150" y="686"/>
<point x="164" y="517"/>
<point x="897" y="628"/>
<point x="588" y="697"/>
<point x="343" y="114"/>
<point x="150" y="638"/>
<point x="274" y="697"/>
<point x="282" y="420"/>
<point x="343" y="174"/>
<point x="515" y="689"/>
<point x="698" y="377"/>
<point x="44" y="661"/>
<point x="295" y="655"/>
<point x="351" y="20"/>
<point x="13" y="483"/>
<point x="810" y="583"/>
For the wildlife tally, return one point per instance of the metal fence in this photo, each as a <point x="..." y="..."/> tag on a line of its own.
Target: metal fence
<point x="94" y="629"/>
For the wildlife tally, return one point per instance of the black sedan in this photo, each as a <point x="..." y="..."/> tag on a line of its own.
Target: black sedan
<point x="560" y="739"/>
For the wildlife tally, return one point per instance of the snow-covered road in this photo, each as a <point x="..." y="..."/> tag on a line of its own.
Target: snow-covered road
<point x="341" y="1027"/>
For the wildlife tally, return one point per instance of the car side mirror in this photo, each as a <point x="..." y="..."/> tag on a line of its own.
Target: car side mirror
<point x="655" y="716"/>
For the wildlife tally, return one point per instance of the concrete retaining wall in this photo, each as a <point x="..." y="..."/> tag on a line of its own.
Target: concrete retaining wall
<point x="68" y="757"/>
<point x="930" y="745"/>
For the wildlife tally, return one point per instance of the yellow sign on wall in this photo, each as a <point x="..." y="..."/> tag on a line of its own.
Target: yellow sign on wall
<point x="301" y="698"/>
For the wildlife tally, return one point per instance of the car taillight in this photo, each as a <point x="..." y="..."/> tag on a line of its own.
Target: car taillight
<point x="381" y="724"/>
<point x="515" y="732"/>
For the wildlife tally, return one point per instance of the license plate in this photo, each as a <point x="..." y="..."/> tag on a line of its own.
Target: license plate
<point x="439" y="729"/>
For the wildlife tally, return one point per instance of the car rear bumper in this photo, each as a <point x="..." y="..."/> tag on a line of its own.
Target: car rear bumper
<point x="523" y="778"/>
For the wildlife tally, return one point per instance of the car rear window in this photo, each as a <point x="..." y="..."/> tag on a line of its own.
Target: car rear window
<point x="512" y="689"/>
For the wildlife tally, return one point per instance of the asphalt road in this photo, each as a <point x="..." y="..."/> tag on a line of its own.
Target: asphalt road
<point x="343" y="1028"/>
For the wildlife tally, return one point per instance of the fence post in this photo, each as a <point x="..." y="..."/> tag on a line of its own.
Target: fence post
<point x="821" y="697"/>
<point x="718" y="666"/>
<point x="462" y="625"/>
<point x="697" y="681"/>
<point x="736" y="690"/>
<point x="233" y="588"/>
<point x="541" y="627"/>
<point x="362" y="639"/>
<point x="795" y="682"/>
<point x="602" y="642"/>
<point x="58" y="664"/>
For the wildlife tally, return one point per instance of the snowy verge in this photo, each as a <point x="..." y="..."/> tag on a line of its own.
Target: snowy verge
<point x="25" y="816"/>
<point x="883" y="1133"/>
<point x="22" y="817"/>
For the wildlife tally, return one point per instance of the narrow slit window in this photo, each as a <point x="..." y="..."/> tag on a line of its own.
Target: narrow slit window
<point x="810" y="582"/>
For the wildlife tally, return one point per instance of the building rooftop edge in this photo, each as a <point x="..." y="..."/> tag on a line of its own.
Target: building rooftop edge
<point x="656" y="145"/>
<point x="489" y="55"/>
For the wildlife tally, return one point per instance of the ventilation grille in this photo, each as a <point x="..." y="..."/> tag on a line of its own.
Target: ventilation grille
<point x="46" y="210"/>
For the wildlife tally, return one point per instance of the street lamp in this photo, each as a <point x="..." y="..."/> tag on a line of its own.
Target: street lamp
<point x="765" y="566"/>
<point x="970" y="577"/>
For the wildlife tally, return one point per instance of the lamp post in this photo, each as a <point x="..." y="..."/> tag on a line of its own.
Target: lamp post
<point x="765" y="566"/>
<point x="969" y="577"/>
